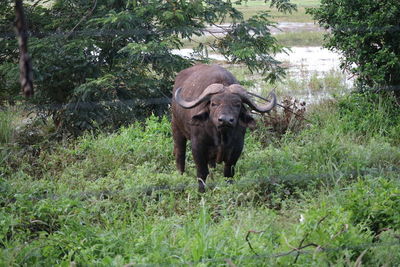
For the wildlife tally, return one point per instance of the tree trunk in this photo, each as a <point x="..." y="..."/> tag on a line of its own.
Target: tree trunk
<point x="25" y="65"/>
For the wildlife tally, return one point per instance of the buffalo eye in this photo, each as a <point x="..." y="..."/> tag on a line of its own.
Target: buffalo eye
<point x="213" y="104"/>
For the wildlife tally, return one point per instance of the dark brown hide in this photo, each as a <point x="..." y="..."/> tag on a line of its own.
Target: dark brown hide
<point x="216" y="125"/>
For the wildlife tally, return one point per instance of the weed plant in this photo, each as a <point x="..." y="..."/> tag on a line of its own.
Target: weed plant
<point x="326" y="195"/>
<point x="6" y="127"/>
<point x="7" y="116"/>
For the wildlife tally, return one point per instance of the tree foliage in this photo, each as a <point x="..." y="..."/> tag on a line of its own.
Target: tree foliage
<point x="367" y="33"/>
<point x="95" y="62"/>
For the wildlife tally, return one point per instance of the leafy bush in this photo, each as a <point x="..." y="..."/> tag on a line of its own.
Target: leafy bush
<point x="9" y="83"/>
<point x="367" y="34"/>
<point x="289" y="120"/>
<point x="339" y="226"/>
<point x="386" y="251"/>
<point x="371" y="115"/>
<point x="374" y="203"/>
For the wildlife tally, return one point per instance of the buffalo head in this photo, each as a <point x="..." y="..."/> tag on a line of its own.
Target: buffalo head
<point x="224" y="106"/>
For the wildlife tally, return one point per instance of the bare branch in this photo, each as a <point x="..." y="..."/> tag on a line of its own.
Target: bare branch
<point x="358" y="262"/>
<point x="248" y="240"/>
<point x="282" y="106"/>
<point x="345" y="227"/>
<point x="305" y="237"/>
<point x="83" y="18"/>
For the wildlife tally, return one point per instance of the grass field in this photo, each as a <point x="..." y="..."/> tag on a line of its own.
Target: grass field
<point x="301" y="38"/>
<point x="298" y="38"/>
<point x="115" y="199"/>
<point x="288" y="39"/>
<point x="251" y="8"/>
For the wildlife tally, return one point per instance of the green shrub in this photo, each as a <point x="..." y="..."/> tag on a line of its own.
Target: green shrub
<point x="374" y="202"/>
<point x="370" y="115"/>
<point x="366" y="33"/>
<point x="385" y="253"/>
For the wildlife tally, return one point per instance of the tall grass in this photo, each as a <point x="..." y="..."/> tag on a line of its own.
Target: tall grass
<point x="7" y="117"/>
<point x="112" y="200"/>
<point x="6" y="128"/>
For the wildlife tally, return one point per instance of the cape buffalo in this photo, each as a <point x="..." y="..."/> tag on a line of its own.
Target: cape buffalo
<point x="209" y="108"/>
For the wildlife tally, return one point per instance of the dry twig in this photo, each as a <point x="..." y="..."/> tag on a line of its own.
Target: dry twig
<point x="345" y="227"/>
<point x="83" y="18"/>
<point x="305" y="237"/>
<point x="248" y="240"/>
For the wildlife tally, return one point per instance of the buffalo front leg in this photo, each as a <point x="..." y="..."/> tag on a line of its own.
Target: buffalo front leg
<point x="229" y="171"/>
<point x="229" y="168"/>
<point x="200" y="158"/>
<point x="179" y="149"/>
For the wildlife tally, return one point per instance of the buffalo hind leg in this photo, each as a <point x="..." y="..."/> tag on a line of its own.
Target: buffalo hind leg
<point x="179" y="149"/>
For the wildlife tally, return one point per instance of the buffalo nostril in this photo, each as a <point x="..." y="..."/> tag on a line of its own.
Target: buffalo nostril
<point x="226" y="120"/>
<point x="222" y="118"/>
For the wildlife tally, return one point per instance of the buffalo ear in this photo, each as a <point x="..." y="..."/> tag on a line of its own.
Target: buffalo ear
<point x="199" y="118"/>
<point x="246" y="120"/>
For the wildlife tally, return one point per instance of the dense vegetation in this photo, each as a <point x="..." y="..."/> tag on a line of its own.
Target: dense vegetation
<point x="368" y="35"/>
<point x="117" y="199"/>
<point x="105" y="63"/>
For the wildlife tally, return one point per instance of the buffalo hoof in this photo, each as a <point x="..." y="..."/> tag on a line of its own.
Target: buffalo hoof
<point x="202" y="185"/>
<point x="230" y="181"/>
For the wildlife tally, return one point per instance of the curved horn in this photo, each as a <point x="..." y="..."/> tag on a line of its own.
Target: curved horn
<point x="239" y="90"/>
<point x="210" y="90"/>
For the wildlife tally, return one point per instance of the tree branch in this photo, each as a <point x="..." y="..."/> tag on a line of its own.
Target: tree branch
<point x="83" y="18"/>
<point x="248" y="240"/>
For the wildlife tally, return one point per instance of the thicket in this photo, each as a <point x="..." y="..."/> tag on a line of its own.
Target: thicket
<point x="117" y="199"/>
<point x="106" y="63"/>
<point x="367" y="33"/>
